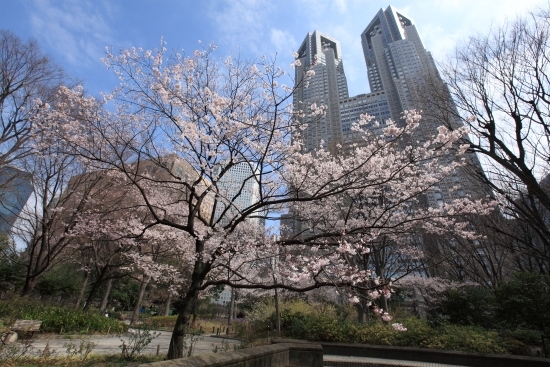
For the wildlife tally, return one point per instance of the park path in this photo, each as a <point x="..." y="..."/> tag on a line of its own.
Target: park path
<point x="111" y="344"/>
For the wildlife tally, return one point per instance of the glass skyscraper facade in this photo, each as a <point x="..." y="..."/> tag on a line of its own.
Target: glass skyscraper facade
<point x="401" y="74"/>
<point x="15" y="190"/>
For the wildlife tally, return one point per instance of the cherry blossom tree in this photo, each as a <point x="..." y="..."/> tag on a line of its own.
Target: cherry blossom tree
<point x="208" y="117"/>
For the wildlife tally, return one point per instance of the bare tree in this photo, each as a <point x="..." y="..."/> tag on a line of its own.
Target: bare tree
<point x="501" y="86"/>
<point x="26" y="75"/>
<point x="488" y="260"/>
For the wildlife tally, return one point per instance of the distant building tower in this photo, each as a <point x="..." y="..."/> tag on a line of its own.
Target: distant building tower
<point x="399" y="65"/>
<point x="402" y="76"/>
<point x="238" y="189"/>
<point x="15" y="189"/>
<point x="327" y="87"/>
<point x="396" y="59"/>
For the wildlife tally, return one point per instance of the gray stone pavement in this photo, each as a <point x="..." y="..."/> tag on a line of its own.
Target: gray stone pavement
<point x="206" y="344"/>
<point x="337" y="361"/>
<point x="110" y="344"/>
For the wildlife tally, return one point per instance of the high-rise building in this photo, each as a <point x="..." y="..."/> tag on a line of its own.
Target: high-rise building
<point x="396" y="59"/>
<point x="401" y="76"/>
<point x="399" y="65"/>
<point x="15" y="189"/>
<point x="237" y="190"/>
<point x="328" y="87"/>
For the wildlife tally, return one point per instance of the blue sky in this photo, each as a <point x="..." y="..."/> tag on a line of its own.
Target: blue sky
<point x="76" y="32"/>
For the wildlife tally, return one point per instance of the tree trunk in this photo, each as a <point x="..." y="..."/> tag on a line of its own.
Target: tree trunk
<point x="231" y="307"/>
<point x="135" y="314"/>
<point x="362" y="311"/>
<point x="185" y="306"/>
<point x="168" y="303"/>
<point x="277" y="314"/>
<point x="105" y="299"/>
<point x="82" y="289"/>
<point x="28" y="287"/>
<point x="95" y="288"/>
<point x="181" y="328"/>
<point x="194" y="318"/>
<point x="384" y="303"/>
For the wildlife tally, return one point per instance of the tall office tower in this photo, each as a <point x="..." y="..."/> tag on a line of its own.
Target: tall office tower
<point x="15" y="189"/>
<point x="327" y="87"/>
<point x="399" y="65"/>
<point x="397" y="62"/>
<point x="373" y="104"/>
<point x="238" y="189"/>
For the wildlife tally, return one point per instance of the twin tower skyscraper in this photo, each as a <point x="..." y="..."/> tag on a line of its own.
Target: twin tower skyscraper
<point x="396" y="61"/>
<point x="400" y="72"/>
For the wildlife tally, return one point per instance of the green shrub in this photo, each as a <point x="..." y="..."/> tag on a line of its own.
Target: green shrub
<point x="162" y="321"/>
<point x="472" y="305"/>
<point x="314" y="322"/>
<point x="516" y="347"/>
<point x="531" y="337"/>
<point x="524" y="302"/>
<point x="57" y="319"/>
<point x="468" y="339"/>
<point x="327" y="328"/>
<point x="418" y="333"/>
<point x="378" y="333"/>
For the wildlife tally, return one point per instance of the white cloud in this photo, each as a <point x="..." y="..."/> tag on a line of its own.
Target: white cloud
<point x="75" y="29"/>
<point x="283" y="41"/>
<point x="341" y="5"/>
<point x="443" y="24"/>
<point x="242" y="23"/>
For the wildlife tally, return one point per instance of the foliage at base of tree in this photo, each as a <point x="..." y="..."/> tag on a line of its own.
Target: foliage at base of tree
<point x="323" y="322"/>
<point x="525" y="301"/>
<point x="62" y="283"/>
<point x="57" y="319"/>
<point x="470" y="305"/>
<point x="520" y="303"/>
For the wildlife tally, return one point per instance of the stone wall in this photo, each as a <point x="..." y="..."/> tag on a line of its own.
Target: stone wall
<point x="274" y="355"/>
<point x="424" y="355"/>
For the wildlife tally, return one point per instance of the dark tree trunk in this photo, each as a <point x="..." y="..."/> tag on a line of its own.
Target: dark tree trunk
<point x="168" y="303"/>
<point x="185" y="305"/>
<point x="277" y="314"/>
<point x="181" y="328"/>
<point x="135" y="314"/>
<point x="82" y="289"/>
<point x="28" y="287"/>
<point x="362" y="312"/>
<point x="231" y="307"/>
<point x="194" y="318"/>
<point x="95" y="288"/>
<point x="105" y="299"/>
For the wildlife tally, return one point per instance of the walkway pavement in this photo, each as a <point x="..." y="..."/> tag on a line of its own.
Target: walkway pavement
<point x="341" y="361"/>
<point x="111" y="344"/>
<point x="58" y="344"/>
